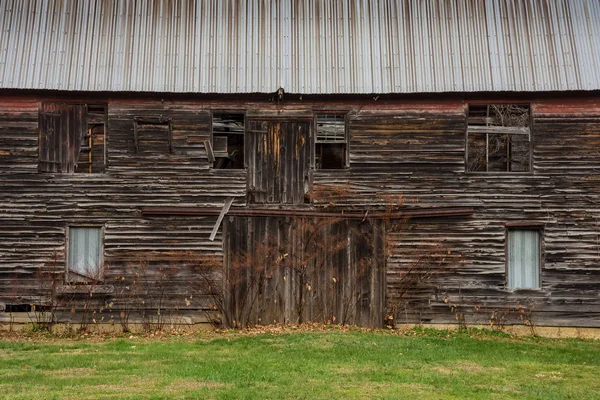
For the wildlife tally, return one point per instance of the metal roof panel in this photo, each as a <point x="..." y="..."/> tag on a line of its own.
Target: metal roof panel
<point x="304" y="46"/>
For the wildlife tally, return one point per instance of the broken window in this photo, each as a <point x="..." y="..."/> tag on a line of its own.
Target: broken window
<point x="498" y="138"/>
<point x="331" y="141"/>
<point x="152" y="136"/>
<point x="227" y="148"/>
<point x="72" y="138"/>
<point x="523" y="264"/>
<point x="92" y="154"/>
<point x="85" y="253"/>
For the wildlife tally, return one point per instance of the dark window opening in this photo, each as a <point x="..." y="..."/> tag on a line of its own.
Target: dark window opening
<point x="72" y="138"/>
<point x="498" y="138"/>
<point x="228" y="140"/>
<point x="20" y="307"/>
<point x="91" y="154"/>
<point x="331" y="141"/>
<point x="330" y="156"/>
<point x="152" y="137"/>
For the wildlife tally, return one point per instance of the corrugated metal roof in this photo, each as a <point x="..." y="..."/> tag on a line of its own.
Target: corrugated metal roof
<point x="304" y="46"/>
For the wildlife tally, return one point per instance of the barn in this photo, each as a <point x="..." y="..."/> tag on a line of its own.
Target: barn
<point x="363" y="162"/>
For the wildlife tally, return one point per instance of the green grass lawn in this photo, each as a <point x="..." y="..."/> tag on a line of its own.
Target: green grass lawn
<point x="302" y="365"/>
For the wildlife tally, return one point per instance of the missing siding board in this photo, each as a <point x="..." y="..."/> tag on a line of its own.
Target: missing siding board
<point x="331" y="143"/>
<point x="228" y="131"/>
<point x="498" y="138"/>
<point x="153" y="137"/>
<point x="72" y="138"/>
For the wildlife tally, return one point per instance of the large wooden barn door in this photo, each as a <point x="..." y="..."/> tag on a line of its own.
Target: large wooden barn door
<point x="278" y="155"/>
<point x="304" y="269"/>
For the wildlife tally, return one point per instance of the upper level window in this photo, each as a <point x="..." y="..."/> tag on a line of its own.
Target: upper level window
<point x="72" y="138"/>
<point x="331" y="143"/>
<point x="153" y="136"/>
<point x="499" y="138"/>
<point x="226" y="150"/>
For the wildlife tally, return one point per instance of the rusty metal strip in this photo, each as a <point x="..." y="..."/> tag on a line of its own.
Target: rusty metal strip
<point x="247" y="212"/>
<point x="224" y="211"/>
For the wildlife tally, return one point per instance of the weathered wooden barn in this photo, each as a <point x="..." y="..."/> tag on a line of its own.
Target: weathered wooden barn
<point x="346" y="161"/>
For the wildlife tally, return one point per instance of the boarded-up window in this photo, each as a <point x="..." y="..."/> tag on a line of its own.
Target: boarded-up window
<point x="152" y="136"/>
<point x="498" y="138"/>
<point x="523" y="267"/>
<point x="331" y="141"/>
<point x="228" y="131"/>
<point x="85" y="253"/>
<point x="72" y="138"/>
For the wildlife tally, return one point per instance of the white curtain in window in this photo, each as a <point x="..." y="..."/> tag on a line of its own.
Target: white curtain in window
<point x="523" y="259"/>
<point x="84" y="251"/>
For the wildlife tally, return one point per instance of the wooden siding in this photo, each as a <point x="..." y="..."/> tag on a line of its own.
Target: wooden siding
<point x="413" y="149"/>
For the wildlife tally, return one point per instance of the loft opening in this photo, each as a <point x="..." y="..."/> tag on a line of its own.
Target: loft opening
<point x="72" y="138"/>
<point x="228" y="131"/>
<point x="498" y="138"/>
<point x="331" y="141"/>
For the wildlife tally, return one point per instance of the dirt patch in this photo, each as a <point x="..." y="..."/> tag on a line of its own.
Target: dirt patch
<point x="468" y="366"/>
<point x="499" y="388"/>
<point x="70" y="352"/>
<point x="179" y="385"/>
<point x="69" y="372"/>
<point x="550" y="375"/>
<point x="130" y="384"/>
<point x="370" y="389"/>
<point x="443" y="370"/>
<point x="465" y="366"/>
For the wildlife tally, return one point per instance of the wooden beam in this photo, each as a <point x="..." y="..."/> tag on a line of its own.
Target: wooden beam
<point x="224" y="211"/>
<point x="247" y="212"/>
<point x="503" y="130"/>
<point x="209" y="151"/>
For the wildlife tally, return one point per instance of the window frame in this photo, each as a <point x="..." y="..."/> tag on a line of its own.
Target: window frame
<point x="152" y="121"/>
<point x="211" y="139"/>
<point x="104" y="124"/>
<point x="313" y="153"/>
<point x="87" y="124"/>
<point x="525" y="226"/>
<point x="466" y="159"/>
<point x="101" y="270"/>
